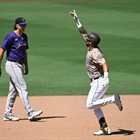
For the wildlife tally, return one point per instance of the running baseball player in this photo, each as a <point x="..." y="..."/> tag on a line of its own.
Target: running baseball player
<point x="98" y="71"/>
<point x="16" y="45"/>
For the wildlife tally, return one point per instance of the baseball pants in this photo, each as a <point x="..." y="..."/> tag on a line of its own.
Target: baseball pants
<point x="17" y="85"/>
<point x="95" y="98"/>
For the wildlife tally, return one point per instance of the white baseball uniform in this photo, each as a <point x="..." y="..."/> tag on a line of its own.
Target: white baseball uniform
<point x="95" y="99"/>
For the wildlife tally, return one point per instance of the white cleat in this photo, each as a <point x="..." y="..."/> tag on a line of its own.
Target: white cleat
<point x="118" y="102"/>
<point x="34" y="114"/>
<point x="100" y="132"/>
<point x="10" y="118"/>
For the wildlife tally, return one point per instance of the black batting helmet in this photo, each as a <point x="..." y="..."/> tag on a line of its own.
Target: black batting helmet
<point x="93" y="37"/>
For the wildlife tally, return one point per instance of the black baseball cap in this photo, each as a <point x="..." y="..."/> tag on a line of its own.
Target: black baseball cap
<point x="20" y="20"/>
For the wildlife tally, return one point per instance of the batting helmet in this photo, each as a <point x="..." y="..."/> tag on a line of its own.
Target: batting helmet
<point x="94" y="38"/>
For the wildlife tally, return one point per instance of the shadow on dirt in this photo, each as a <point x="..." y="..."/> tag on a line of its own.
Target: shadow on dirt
<point x="43" y="118"/>
<point x="123" y="132"/>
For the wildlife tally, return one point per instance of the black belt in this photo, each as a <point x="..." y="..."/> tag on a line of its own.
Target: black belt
<point x="95" y="78"/>
<point x="20" y="62"/>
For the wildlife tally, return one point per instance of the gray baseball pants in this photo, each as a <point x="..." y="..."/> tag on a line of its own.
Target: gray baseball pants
<point x="17" y="86"/>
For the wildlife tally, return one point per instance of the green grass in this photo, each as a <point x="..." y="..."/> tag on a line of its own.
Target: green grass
<point x="57" y="51"/>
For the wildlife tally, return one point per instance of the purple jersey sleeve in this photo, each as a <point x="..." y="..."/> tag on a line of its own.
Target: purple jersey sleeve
<point x="15" y="46"/>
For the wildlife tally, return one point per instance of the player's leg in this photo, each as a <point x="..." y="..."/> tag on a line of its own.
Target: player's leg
<point x="9" y="104"/>
<point x="10" y="99"/>
<point x="95" y="97"/>
<point x="96" y="94"/>
<point x="15" y="71"/>
<point x="100" y="116"/>
<point x="104" y="129"/>
<point x="97" y="104"/>
<point x="92" y="94"/>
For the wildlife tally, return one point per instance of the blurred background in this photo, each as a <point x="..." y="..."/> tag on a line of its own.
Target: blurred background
<point x="57" y="52"/>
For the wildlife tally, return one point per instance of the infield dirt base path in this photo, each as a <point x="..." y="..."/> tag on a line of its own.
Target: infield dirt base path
<point x="67" y="118"/>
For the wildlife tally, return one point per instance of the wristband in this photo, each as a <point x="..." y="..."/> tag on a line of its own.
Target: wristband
<point x="106" y="74"/>
<point x="79" y="25"/>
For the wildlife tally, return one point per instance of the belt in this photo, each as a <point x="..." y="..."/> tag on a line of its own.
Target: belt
<point x="95" y="78"/>
<point x="20" y="62"/>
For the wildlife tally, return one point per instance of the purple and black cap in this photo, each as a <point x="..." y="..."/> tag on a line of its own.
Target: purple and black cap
<point x="21" y="21"/>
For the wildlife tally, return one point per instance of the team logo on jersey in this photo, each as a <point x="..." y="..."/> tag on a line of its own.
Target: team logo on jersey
<point x="20" y="44"/>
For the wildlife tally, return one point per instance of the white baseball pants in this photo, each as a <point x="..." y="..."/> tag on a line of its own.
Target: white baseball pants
<point x="17" y="85"/>
<point x="95" y="98"/>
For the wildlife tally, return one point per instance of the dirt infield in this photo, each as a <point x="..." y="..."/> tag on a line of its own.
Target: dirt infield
<point x="67" y="118"/>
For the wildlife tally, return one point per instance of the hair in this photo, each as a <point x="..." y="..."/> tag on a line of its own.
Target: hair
<point x="15" y="28"/>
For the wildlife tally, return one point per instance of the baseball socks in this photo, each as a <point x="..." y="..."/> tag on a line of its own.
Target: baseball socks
<point x="105" y="130"/>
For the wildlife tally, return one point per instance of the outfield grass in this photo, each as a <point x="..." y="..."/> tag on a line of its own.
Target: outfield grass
<point x="57" y="51"/>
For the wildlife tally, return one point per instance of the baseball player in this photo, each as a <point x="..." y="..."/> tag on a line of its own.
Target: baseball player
<point x="97" y="70"/>
<point x="16" y="45"/>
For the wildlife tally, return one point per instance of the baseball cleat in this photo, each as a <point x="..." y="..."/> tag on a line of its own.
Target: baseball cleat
<point x="118" y="102"/>
<point x="34" y="114"/>
<point x="10" y="118"/>
<point x="106" y="131"/>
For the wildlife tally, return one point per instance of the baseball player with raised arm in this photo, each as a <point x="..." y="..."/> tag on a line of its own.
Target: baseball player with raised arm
<point x="16" y="45"/>
<point x="97" y="70"/>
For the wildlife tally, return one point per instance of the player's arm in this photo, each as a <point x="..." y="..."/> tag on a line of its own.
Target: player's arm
<point x="26" y="63"/>
<point x="1" y="54"/>
<point x="106" y="72"/>
<point x="80" y="27"/>
<point x="105" y="67"/>
<point x="1" y="57"/>
<point x="102" y="62"/>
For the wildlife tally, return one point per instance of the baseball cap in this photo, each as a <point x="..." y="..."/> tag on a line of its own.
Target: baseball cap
<point x="21" y="21"/>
